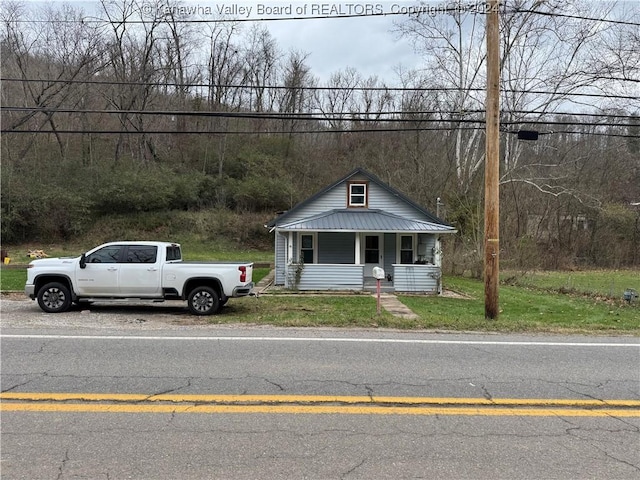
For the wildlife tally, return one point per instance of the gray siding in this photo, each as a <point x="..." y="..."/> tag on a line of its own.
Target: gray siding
<point x="429" y="241"/>
<point x="389" y="252"/>
<point x="416" y="278"/>
<point x="337" y="247"/>
<point x="328" y="277"/>
<point x="379" y="198"/>
<point x="281" y="258"/>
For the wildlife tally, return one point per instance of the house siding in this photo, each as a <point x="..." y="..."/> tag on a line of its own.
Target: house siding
<point x="426" y="243"/>
<point x="416" y="278"/>
<point x="389" y="252"/>
<point x="327" y="277"/>
<point x="379" y="198"/>
<point x="337" y="247"/>
<point x="281" y="258"/>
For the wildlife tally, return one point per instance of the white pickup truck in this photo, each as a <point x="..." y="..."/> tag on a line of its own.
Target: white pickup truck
<point x="136" y="270"/>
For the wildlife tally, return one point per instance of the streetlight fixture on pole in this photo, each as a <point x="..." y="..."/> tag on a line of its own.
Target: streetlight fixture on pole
<point x="492" y="165"/>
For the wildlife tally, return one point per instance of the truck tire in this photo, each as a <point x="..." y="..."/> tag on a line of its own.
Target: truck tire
<point x="54" y="297"/>
<point x="204" y="301"/>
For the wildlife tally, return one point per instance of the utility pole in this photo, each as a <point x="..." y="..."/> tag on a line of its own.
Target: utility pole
<point x="492" y="165"/>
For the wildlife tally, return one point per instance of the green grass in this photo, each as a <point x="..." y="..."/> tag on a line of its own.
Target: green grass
<point x="609" y="283"/>
<point x="535" y="307"/>
<point x="524" y="309"/>
<point x="298" y="310"/>
<point x="259" y="274"/>
<point x="12" y="278"/>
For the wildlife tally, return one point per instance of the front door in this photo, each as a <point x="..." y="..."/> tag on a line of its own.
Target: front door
<point x="100" y="275"/>
<point x="372" y="253"/>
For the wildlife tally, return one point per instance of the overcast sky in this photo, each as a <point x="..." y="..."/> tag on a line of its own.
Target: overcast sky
<point x="324" y="30"/>
<point x="365" y="43"/>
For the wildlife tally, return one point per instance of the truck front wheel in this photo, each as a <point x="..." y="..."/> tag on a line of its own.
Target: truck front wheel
<point x="54" y="297"/>
<point x="204" y="301"/>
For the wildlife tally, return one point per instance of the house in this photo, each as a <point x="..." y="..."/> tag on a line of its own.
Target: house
<point x="334" y="239"/>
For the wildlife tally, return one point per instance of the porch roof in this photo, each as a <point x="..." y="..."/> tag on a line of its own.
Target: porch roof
<point x="363" y="220"/>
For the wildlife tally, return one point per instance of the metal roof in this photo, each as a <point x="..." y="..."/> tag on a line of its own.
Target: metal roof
<point x="365" y="220"/>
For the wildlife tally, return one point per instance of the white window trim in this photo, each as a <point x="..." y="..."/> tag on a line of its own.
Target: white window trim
<point x="365" y="195"/>
<point x="314" y="236"/>
<point x="414" y="245"/>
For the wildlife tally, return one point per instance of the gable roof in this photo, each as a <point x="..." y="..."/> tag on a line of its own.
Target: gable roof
<point x="280" y="220"/>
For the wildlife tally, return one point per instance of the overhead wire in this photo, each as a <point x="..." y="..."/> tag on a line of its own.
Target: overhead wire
<point x="469" y="7"/>
<point x="355" y="117"/>
<point x="312" y="88"/>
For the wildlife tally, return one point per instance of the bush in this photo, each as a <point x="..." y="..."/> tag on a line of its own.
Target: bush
<point x="43" y="214"/>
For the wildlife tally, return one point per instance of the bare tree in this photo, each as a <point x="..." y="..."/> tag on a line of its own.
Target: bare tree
<point x="224" y="66"/>
<point x="133" y="64"/>
<point x="49" y="50"/>
<point x="261" y="57"/>
<point x="454" y="61"/>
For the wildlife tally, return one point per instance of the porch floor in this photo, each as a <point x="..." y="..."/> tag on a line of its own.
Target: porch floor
<point x="371" y="285"/>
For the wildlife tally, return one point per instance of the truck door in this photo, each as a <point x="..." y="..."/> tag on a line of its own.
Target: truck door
<point x="100" y="276"/>
<point x="140" y="272"/>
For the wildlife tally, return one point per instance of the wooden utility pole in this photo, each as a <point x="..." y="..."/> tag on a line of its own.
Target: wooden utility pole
<point x="492" y="165"/>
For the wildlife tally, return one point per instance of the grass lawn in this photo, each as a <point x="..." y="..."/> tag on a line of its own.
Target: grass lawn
<point x="534" y="307"/>
<point x="300" y="310"/>
<point x="522" y="310"/>
<point x="525" y="309"/>
<point x="12" y="278"/>
<point x="610" y="283"/>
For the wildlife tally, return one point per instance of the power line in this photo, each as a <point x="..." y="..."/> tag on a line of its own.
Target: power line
<point x="310" y="117"/>
<point x="576" y="17"/>
<point x="343" y="116"/>
<point x="313" y="88"/>
<point x="233" y="132"/>
<point x="471" y="8"/>
<point x="295" y="132"/>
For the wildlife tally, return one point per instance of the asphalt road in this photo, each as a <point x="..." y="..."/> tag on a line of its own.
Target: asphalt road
<point x="139" y="394"/>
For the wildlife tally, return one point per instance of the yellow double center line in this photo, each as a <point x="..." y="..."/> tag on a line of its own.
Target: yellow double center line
<point x="312" y="404"/>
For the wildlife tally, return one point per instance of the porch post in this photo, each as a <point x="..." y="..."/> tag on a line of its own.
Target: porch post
<point x="357" y="248"/>
<point x="290" y="248"/>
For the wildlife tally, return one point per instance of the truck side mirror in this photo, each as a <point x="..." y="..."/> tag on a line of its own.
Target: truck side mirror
<point x="83" y="261"/>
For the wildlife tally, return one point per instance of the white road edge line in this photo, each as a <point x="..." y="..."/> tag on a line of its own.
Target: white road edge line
<point x="321" y="339"/>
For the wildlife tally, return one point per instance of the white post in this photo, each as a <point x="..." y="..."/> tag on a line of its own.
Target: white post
<point x="290" y="248"/>
<point x="437" y="254"/>
<point x="357" y="248"/>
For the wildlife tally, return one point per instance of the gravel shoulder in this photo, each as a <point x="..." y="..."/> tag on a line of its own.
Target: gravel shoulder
<point x="17" y="311"/>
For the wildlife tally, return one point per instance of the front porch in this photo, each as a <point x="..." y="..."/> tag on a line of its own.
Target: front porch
<point x="415" y="278"/>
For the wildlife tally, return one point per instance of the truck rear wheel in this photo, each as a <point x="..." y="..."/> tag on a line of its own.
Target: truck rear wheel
<point x="54" y="297"/>
<point x="203" y="301"/>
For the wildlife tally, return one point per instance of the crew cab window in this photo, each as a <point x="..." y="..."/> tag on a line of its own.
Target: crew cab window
<point x="142" y="254"/>
<point x="173" y="253"/>
<point x="110" y="254"/>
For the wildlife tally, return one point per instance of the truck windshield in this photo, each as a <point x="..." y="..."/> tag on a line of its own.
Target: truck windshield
<point x="173" y="253"/>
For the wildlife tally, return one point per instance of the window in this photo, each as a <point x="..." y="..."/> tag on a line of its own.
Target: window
<point x="371" y="249"/>
<point x="173" y="253"/>
<point x="142" y="254"/>
<point x="357" y="195"/>
<point x="110" y="254"/>
<point x="406" y="249"/>
<point x="306" y="248"/>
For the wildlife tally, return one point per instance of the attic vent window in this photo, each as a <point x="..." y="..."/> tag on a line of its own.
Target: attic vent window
<point x="357" y="195"/>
